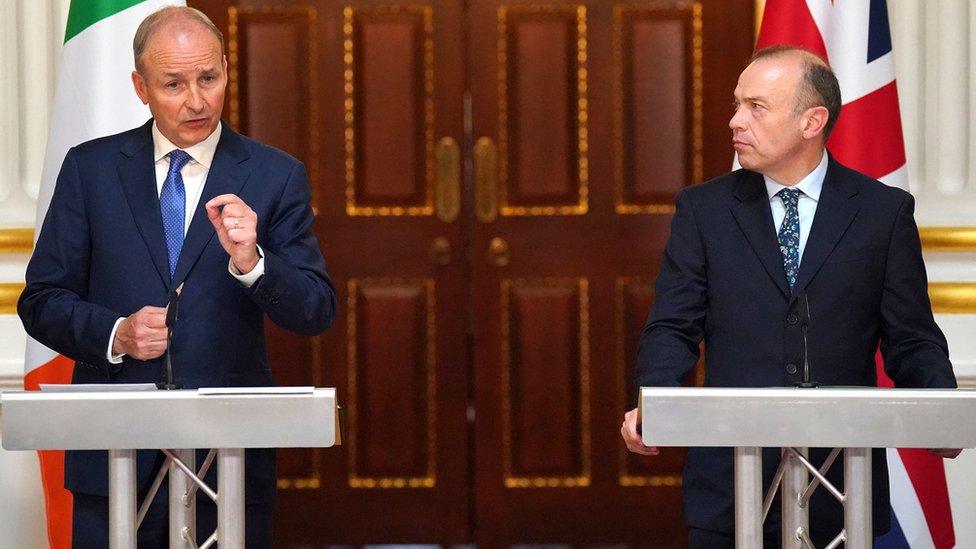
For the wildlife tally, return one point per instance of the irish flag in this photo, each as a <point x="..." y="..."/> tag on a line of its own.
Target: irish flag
<point x="853" y="36"/>
<point x="94" y="97"/>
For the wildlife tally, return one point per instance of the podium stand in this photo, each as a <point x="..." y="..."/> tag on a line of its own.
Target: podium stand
<point x="177" y="422"/>
<point x="853" y="419"/>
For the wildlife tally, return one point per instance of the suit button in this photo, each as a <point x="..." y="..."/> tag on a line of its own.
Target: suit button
<point x="791" y="368"/>
<point x="792" y="319"/>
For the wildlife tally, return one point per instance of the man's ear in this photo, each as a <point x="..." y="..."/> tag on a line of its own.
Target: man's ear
<point x="814" y="122"/>
<point x="142" y="90"/>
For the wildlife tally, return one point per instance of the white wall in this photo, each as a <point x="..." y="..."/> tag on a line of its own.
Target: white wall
<point x="31" y="33"/>
<point x="935" y="54"/>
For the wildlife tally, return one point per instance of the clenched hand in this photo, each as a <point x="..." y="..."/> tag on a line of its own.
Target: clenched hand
<point x="142" y="335"/>
<point x="236" y="225"/>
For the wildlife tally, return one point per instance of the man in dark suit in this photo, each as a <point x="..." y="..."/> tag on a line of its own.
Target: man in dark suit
<point x="747" y="248"/>
<point x="182" y="200"/>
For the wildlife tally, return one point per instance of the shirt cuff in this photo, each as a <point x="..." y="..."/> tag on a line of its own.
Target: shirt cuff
<point x="250" y="278"/>
<point x="111" y="357"/>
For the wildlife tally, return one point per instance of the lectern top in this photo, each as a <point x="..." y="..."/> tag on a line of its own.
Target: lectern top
<point x="822" y="417"/>
<point x="167" y="419"/>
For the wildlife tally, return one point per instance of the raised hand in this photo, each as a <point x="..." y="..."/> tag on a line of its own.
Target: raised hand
<point x="237" y="229"/>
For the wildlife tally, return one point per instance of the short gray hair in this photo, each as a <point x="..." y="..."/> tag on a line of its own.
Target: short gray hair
<point x="151" y="23"/>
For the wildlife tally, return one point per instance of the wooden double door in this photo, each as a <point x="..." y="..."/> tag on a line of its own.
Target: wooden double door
<point x="493" y="183"/>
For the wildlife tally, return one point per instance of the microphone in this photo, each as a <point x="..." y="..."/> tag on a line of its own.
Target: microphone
<point x="804" y="326"/>
<point x="172" y="313"/>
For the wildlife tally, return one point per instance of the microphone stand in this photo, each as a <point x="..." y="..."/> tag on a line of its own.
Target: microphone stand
<point x="806" y="383"/>
<point x="172" y="313"/>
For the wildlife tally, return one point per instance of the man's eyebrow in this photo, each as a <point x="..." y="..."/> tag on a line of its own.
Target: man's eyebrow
<point x="178" y="74"/>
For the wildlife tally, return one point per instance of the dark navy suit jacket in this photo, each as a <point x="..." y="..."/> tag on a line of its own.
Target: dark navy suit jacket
<point x="722" y="282"/>
<point x="101" y="255"/>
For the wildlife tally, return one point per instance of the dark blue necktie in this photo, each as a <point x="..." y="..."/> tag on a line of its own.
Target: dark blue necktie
<point x="789" y="234"/>
<point x="172" y="204"/>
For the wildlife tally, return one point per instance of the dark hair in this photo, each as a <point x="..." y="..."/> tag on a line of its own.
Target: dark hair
<point x="149" y="25"/>
<point x="819" y="86"/>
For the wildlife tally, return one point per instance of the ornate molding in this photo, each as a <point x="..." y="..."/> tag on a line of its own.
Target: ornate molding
<point x="11" y="382"/>
<point x="350" y="53"/>
<point x="9" y="294"/>
<point x="628" y="12"/>
<point x="585" y="476"/>
<point x="429" y="479"/>
<point x="581" y="116"/>
<point x="234" y="85"/>
<point x="966" y="382"/>
<point x="760" y="7"/>
<point x="953" y="297"/>
<point x="948" y="239"/>
<point x="16" y="241"/>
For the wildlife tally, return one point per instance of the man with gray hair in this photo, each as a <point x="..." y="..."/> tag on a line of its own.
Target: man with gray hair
<point x="181" y="201"/>
<point x="792" y="239"/>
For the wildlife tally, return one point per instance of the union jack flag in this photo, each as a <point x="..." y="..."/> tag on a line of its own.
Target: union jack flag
<point x="854" y="37"/>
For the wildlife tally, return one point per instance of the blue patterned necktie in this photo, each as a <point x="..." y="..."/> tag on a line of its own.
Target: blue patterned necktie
<point x="789" y="234"/>
<point x="172" y="204"/>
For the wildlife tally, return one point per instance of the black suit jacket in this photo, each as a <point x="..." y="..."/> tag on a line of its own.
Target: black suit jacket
<point x="722" y="281"/>
<point x="101" y="255"/>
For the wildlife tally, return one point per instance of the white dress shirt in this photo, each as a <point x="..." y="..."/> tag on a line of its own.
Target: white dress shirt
<point x="194" y="178"/>
<point x="809" y="187"/>
<point x="194" y="172"/>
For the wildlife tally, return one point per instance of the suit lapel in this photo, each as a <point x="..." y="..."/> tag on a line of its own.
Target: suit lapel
<point x="755" y="219"/>
<point x="227" y="175"/>
<point x="138" y="176"/>
<point x="836" y="210"/>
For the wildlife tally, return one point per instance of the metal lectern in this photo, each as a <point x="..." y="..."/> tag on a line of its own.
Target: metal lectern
<point x="178" y="422"/>
<point x="855" y="419"/>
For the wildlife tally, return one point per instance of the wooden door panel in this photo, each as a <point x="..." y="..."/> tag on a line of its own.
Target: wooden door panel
<point x="542" y="109"/>
<point x="601" y="112"/>
<point x="361" y="91"/>
<point x="634" y="297"/>
<point x="388" y="56"/>
<point x="391" y="419"/>
<point x="545" y="390"/>
<point x="290" y="65"/>
<point x="298" y="468"/>
<point x="658" y="93"/>
<point x="592" y="147"/>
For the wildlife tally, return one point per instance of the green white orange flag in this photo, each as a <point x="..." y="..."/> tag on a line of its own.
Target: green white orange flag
<point x="94" y="98"/>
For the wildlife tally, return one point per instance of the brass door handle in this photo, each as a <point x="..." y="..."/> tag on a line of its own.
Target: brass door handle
<point x="485" y="180"/>
<point x="447" y="190"/>
<point x="498" y="252"/>
<point x="440" y="251"/>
